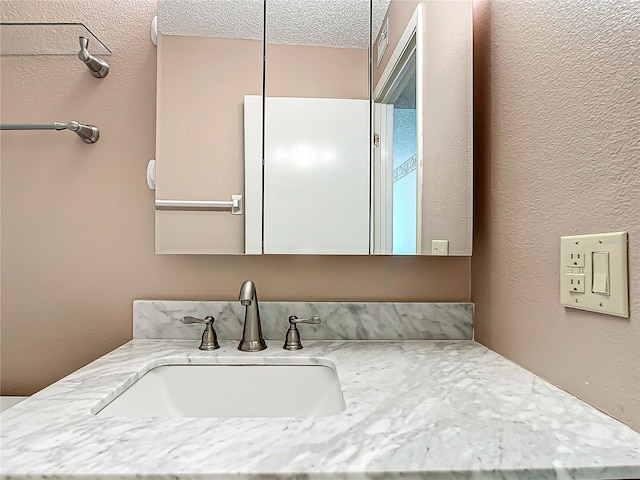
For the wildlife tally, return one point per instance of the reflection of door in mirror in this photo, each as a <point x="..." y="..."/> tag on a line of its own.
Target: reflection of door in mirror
<point x="316" y="175"/>
<point x="317" y="127"/>
<point x="205" y="68"/>
<point x="395" y="219"/>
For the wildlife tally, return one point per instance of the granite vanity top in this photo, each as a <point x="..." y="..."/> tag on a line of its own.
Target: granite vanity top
<point x="414" y="409"/>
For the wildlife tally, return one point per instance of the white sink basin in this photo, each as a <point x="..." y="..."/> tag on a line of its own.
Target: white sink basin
<point x="231" y="391"/>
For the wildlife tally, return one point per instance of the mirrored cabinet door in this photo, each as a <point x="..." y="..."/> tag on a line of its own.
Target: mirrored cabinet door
<point x="209" y="58"/>
<point x="423" y="129"/>
<point x="324" y="127"/>
<point x="317" y="127"/>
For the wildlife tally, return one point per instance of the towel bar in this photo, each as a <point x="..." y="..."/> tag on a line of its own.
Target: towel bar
<point x="234" y="205"/>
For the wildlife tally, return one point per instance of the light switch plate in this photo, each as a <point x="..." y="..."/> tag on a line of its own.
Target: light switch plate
<point x="616" y="302"/>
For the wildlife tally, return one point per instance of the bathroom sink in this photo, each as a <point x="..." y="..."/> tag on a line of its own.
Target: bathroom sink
<point x="231" y="391"/>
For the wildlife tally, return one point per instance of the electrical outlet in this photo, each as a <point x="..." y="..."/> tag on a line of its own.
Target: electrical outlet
<point x="576" y="282"/>
<point x="594" y="273"/>
<point x="439" y="247"/>
<point x="575" y="259"/>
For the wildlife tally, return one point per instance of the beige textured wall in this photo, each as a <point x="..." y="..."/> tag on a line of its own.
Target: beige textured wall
<point x="78" y="220"/>
<point x="558" y="142"/>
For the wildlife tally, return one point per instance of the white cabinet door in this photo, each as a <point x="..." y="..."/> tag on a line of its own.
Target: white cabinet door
<point x="316" y="176"/>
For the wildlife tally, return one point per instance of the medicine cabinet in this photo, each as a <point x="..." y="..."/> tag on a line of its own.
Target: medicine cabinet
<point x="280" y="132"/>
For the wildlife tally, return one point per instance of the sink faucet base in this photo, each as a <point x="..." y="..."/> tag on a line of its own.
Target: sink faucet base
<point x="252" y="346"/>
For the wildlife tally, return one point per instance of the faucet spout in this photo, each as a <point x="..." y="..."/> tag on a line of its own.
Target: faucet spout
<point x="252" y="340"/>
<point x="247" y="293"/>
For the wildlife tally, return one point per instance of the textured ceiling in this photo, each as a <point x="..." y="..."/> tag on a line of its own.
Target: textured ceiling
<point x="332" y="23"/>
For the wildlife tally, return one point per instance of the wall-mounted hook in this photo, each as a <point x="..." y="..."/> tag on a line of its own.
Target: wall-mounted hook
<point x="151" y="174"/>
<point x="154" y="31"/>
<point x="99" y="68"/>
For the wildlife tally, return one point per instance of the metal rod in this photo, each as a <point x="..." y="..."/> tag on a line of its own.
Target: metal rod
<point x="227" y="205"/>
<point x="88" y="133"/>
<point x="34" y="126"/>
<point x="235" y="205"/>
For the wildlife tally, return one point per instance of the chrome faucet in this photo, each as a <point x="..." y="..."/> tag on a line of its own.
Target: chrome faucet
<point x="252" y="340"/>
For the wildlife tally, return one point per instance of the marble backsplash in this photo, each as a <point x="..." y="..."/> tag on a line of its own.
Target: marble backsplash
<point x="340" y="320"/>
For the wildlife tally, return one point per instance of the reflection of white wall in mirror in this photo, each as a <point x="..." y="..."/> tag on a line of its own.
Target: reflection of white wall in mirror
<point x="316" y="195"/>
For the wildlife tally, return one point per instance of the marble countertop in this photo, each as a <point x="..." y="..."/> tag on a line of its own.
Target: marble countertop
<point x="414" y="409"/>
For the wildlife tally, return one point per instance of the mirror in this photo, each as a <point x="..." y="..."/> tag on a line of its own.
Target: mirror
<point x="317" y="127"/>
<point x="209" y="57"/>
<point x="322" y="188"/>
<point x="423" y="129"/>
